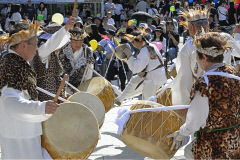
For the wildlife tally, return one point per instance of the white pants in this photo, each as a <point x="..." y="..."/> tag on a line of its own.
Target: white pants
<point x="147" y="89"/>
<point x="29" y="148"/>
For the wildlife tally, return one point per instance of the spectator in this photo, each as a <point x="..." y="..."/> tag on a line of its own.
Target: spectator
<point x="123" y="27"/>
<point x="89" y="21"/>
<point x="123" y="15"/>
<point x="15" y="13"/>
<point x="172" y="41"/>
<point x="6" y="9"/>
<point x="93" y="33"/>
<point x="98" y="22"/>
<point x="152" y="10"/>
<point x="142" y="6"/>
<point x="159" y="37"/>
<point x="213" y="10"/>
<point x="110" y="19"/>
<point x="42" y="10"/>
<point x="29" y="10"/>
<point x="232" y="14"/>
<point x="211" y="22"/>
<point x="106" y="25"/>
<point x="222" y="14"/>
<point x="130" y="11"/>
<point x="118" y="10"/>
<point x="8" y="18"/>
<point x="110" y="7"/>
<point x="156" y="20"/>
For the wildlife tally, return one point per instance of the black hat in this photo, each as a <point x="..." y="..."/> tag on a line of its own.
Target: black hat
<point x="159" y="29"/>
<point x="111" y="32"/>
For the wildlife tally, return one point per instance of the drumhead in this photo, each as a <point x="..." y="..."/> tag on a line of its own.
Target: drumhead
<point x="71" y="132"/>
<point x="94" y="85"/>
<point x="92" y="102"/>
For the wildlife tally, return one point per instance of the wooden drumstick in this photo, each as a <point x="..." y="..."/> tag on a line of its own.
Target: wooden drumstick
<point x="72" y="86"/>
<point x="60" y="87"/>
<point x="74" y="9"/>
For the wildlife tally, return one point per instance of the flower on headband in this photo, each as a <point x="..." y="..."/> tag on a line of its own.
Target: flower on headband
<point x="22" y="35"/>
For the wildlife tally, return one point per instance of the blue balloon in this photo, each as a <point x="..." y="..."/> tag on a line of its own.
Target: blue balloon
<point x="190" y="1"/>
<point x="215" y="1"/>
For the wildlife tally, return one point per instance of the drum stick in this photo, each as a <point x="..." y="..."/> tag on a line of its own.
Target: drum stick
<point x="94" y="71"/>
<point x="60" y="88"/>
<point x="74" y="9"/>
<point x="51" y="94"/>
<point x="71" y="86"/>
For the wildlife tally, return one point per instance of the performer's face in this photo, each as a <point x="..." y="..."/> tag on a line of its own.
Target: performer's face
<point x="30" y="48"/>
<point x="76" y="45"/>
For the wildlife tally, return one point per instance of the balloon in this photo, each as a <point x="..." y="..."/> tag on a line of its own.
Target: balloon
<point x="158" y="45"/>
<point x="190" y="1"/>
<point x="237" y="1"/>
<point x="226" y="7"/>
<point x="40" y="17"/>
<point x="58" y="18"/>
<point x="215" y="1"/>
<point x="94" y="44"/>
<point x="135" y="21"/>
<point x="130" y="22"/>
<point x="237" y="5"/>
<point x="172" y="8"/>
<point x="98" y="15"/>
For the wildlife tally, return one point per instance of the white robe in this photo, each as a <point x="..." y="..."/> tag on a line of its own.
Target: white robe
<point x="20" y="122"/>
<point x="152" y="82"/>
<point x="186" y="66"/>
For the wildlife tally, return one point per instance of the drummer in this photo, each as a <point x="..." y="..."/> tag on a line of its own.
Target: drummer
<point x="75" y="58"/>
<point x="148" y="69"/>
<point x="21" y="113"/>
<point x="46" y="63"/>
<point x="187" y="67"/>
<point x="214" y="110"/>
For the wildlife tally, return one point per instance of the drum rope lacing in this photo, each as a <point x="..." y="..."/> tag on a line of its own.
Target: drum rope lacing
<point x="124" y="114"/>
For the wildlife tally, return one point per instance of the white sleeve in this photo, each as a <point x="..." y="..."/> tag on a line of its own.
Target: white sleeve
<point x="182" y="85"/>
<point x="19" y="107"/>
<point x="235" y="51"/>
<point x="136" y="65"/>
<point x="196" y="116"/>
<point x="52" y="44"/>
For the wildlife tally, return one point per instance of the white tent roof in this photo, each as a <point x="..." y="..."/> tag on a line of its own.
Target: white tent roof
<point x="50" y="1"/>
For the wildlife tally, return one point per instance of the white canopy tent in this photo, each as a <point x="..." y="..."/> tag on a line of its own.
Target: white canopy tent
<point x="95" y="2"/>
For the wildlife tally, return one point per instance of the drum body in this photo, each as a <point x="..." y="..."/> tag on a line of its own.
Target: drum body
<point x="146" y="132"/>
<point x="71" y="133"/>
<point x="92" y="102"/>
<point x="100" y="87"/>
<point x="165" y="98"/>
<point x="173" y="72"/>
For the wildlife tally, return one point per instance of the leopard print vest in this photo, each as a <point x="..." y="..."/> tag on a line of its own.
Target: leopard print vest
<point x="16" y="73"/>
<point x="224" y="112"/>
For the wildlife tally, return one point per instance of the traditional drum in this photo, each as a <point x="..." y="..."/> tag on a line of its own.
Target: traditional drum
<point x="100" y="87"/>
<point x="92" y="102"/>
<point x="146" y="132"/>
<point x="173" y="72"/>
<point x="123" y="51"/>
<point x="165" y="98"/>
<point x="71" y="133"/>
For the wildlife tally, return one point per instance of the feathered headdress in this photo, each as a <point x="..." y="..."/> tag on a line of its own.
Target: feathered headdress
<point x="77" y="35"/>
<point x="211" y="37"/>
<point x="196" y="14"/>
<point x="139" y="37"/>
<point x="22" y="35"/>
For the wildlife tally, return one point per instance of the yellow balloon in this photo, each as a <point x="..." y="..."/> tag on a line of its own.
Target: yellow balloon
<point x="94" y="44"/>
<point x="130" y="22"/>
<point x="58" y="18"/>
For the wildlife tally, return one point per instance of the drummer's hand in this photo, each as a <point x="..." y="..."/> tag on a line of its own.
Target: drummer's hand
<point x="51" y="107"/>
<point x="70" y="23"/>
<point x="177" y="140"/>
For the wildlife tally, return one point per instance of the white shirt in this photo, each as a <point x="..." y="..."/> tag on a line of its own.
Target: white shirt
<point x="222" y="13"/>
<point x="58" y="40"/>
<point x="20" y="117"/>
<point x="152" y="11"/>
<point x="196" y="116"/>
<point x="16" y="17"/>
<point x="142" y="61"/>
<point x="118" y="7"/>
<point x="111" y="21"/>
<point x="109" y="6"/>
<point x="142" y="6"/>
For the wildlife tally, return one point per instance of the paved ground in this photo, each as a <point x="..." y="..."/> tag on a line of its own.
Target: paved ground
<point x="111" y="147"/>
